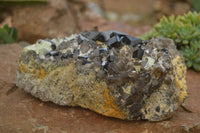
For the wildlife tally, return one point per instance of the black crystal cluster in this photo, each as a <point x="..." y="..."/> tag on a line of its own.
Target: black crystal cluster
<point x="109" y="72"/>
<point x="115" y="39"/>
<point x="132" y="68"/>
<point x="118" y="67"/>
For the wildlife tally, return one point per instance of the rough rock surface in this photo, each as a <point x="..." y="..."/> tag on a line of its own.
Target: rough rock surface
<point x="109" y="72"/>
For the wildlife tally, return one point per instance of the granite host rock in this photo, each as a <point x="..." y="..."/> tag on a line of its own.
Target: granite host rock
<point x="108" y="72"/>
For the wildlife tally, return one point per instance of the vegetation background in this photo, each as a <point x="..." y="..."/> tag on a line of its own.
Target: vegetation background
<point x="23" y="22"/>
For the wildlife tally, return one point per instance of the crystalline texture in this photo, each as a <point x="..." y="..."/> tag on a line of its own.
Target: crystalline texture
<point x="108" y="72"/>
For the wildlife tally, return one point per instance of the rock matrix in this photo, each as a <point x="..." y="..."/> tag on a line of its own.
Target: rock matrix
<point x="108" y="72"/>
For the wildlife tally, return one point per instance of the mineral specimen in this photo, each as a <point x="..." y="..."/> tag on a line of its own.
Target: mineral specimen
<point x="108" y="72"/>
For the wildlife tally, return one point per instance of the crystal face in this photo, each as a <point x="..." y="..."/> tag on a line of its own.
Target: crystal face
<point x="108" y="72"/>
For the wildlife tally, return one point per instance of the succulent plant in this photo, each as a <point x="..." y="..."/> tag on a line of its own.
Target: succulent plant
<point x="185" y="31"/>
<point x="8" y="35"/>
<point x="195" y="4"/>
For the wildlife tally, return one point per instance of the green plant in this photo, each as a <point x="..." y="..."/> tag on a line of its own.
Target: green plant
<point x="8" y="34"/>
<point x="185" y="31"/>
<point x="196" y="4"/>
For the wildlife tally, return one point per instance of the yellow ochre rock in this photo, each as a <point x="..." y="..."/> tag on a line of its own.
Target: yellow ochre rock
<point x="109" y="72"/>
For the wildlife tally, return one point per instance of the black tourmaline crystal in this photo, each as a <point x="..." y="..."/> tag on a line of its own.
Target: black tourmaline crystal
<point x="108" y="72"/>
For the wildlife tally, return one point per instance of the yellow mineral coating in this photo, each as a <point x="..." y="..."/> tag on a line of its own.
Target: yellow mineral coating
<point x="125" y="52"/>
<point x="111" y="109"/>
<point x="103" y="103"/>
<point x="38" y="71"/>
<point x="155" y="100"/>
<point x="41" y="73"/>
<point x="99" y="43"/>
<point x="79" y="83"/>
<point x="22" y="68"/>
<point x="180" y="71"/>
<point x="42" y="48"/>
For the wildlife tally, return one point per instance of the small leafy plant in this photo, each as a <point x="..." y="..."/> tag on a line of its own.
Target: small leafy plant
<point x="185" y="31"/>
<point x="8" y="35"/>
<point x="196" y="5"/>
